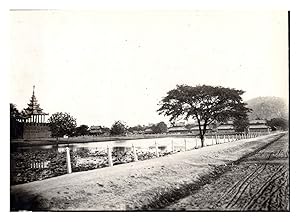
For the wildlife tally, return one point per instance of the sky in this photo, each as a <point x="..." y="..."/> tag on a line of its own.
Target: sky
<point x="103" y="66"/>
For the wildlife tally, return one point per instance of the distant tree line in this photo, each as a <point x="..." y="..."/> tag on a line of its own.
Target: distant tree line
<point x="62" y="124"/>
<point x="207" y="105"/>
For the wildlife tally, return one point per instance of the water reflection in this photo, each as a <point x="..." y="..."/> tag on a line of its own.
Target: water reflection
<point x="164" y="144"/>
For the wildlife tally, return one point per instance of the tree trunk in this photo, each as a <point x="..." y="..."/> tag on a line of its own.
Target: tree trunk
<point x="202" y="140"/>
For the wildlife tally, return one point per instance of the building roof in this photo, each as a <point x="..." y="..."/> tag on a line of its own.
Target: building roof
<point x="148" y="130"/>
<point x="257" y="121"/>
<point x="229" y="122"/>
<point x="258" y="127"/>
<point x="225" y="127"/>
<point x="95" y="127"/>
<point x="177" y="128"/>
<point x="196" y="128"/>
<point x="179" y="124"/>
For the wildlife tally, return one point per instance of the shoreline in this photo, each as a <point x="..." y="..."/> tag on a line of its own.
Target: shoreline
<point x="21" y="143"/>
<point x="88" y="139"/>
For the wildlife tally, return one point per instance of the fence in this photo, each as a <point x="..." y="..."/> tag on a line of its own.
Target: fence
<point x="29" y="166"/>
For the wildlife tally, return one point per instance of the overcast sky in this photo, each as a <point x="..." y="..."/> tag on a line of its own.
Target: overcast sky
<point x="107" y="66"/>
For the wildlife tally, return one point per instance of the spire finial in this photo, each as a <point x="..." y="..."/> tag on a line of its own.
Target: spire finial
<point x="33" y="90"/>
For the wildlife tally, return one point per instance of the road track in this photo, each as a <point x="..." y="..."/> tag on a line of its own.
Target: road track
<point x="259" y="182"/>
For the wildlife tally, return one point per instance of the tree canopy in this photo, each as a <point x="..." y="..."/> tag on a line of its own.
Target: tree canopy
<point x="205" y="104"/>
<point x="278" y="123"/>
<point x="82" y="130"/>
<point x="160" y="127"/>
<point x="118" y="128"/>
<point x="14" y="112"/>
<point x="62" y="124"/>
<point x="16" y="128"/>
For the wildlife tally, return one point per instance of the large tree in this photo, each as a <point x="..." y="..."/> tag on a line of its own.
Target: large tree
<point x="81" y="130"/>
<point x="16" y="128"/>
<point x="62" y="124"/>
<point x="205" y="104"/>
<point x="160" y="127"/>
<point x="278" y="123"/>
<point x="118" y="128"/>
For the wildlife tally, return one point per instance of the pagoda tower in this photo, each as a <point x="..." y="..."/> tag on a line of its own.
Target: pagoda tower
<point x="33" y="113"/>
<point x="34" y="119"/>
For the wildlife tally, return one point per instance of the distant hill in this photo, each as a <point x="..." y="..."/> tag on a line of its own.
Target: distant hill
<point x="267" y="108"/>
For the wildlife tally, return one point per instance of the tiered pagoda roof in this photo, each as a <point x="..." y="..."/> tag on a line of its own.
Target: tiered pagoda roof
<point x="33" y="107"/>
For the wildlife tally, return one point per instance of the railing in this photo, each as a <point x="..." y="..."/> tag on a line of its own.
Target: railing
<point x="39" y="164"/>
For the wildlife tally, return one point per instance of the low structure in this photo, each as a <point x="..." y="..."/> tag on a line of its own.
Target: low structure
<point x="226" y="128"/>
<point x="195" y="130"/>
<point x="148" y="131"/>
<point x="178" y="130"/>
<point x="95" y="130"/>
<point x="258" y="126"/>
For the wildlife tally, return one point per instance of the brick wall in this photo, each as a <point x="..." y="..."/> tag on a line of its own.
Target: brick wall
<point x="36" y="130"/>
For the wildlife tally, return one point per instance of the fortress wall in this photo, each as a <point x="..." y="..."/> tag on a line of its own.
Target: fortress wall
<point x="37" y="130"/>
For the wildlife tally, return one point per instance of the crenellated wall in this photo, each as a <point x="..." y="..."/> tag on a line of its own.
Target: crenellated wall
<point x="36" y="130"/>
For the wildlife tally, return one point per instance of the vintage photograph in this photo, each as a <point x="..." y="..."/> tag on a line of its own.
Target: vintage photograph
<point x="149" y="110"/>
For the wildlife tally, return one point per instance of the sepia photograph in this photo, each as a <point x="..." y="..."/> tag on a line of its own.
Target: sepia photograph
<point x="149" y="110"/>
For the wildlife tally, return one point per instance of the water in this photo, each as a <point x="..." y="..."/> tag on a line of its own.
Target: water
<point x="141" y="144"/>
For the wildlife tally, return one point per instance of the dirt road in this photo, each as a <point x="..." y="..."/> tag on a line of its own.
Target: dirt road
<point x="258" y="183"/>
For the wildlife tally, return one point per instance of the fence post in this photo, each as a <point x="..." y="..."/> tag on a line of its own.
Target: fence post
<point x="69" y="168"/>
<point x="184" y="144"/>
<point x="212" y="140"/>
<point x="172" y="142"/>
<point x="156" y="150"/>
<point x="134" y="154"/>
<point x="110" y="161"/>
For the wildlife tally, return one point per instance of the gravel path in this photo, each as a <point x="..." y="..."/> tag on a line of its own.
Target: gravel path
<point x="258" y="183"/>
<point x="150" y="184"/>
